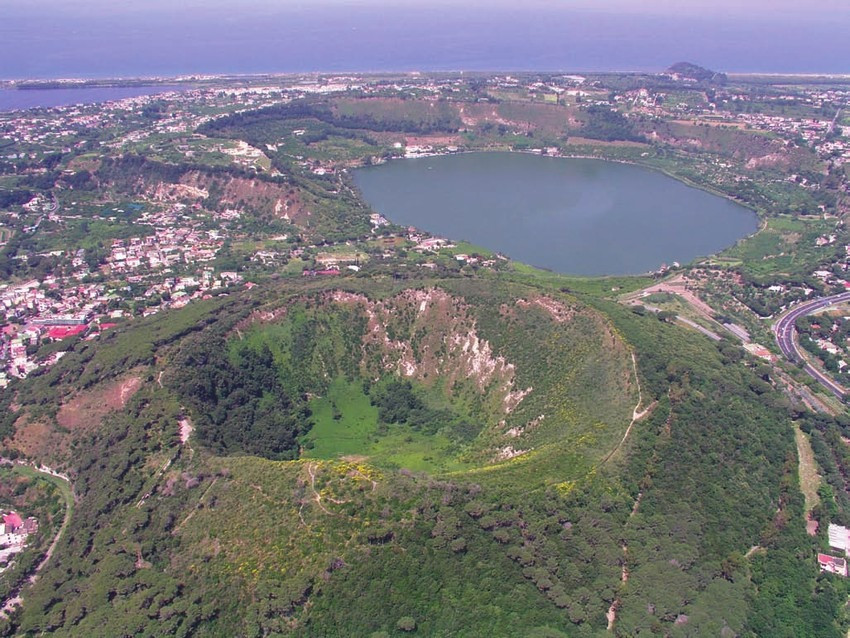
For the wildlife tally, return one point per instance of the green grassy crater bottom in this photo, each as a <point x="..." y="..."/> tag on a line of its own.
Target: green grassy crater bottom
<point x="355" y="433"/>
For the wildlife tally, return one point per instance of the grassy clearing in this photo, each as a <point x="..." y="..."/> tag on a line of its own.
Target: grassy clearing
<point x="785" y="244"/>
<point x="723" y="262"/>
<point x="596" y="286"/>
<point x="675" y="303"/>
<point x="87" y="234"/>
<point x="346" y="424"/>
<point x="63" y="486"/>
<point x="809" y="477"/>
<point x="344" y="421"/>
<point x="294" y="267"/>
<point x="405" y="448"/>
<point x="466" y="248"/>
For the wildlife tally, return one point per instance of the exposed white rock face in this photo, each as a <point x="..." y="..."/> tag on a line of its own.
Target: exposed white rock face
<point x="440" y="341"/>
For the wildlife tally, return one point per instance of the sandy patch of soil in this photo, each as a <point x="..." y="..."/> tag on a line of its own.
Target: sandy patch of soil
<point x="87" y="409"/>
<point x="36" y="439"/>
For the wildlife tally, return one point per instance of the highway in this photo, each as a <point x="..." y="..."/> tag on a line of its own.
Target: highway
<point x="785" y="331"/>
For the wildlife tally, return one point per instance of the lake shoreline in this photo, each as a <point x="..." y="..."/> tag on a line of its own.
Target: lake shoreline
<point x="632" y="224"/>
<point x="762" y="222"/>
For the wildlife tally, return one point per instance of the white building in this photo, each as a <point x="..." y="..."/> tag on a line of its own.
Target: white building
<point x="833" y="564"/>
<point x="839" y="537"/>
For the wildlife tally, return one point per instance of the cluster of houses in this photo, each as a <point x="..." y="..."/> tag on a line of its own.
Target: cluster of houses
<point x="32" y="310"/>
<point x="817" y="133"/>
<point x="823" y="134"/>
<point x="34" y="316"/>
<point x="50" y="298"/>
<point x="839" y="541"/>
<point x="172" y="262"/>
<point x="167" y="247"/>
<point x="14" y="532"/>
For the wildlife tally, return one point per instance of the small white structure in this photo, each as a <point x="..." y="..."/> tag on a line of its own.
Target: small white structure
<point x="833" y="564"/>
<point x="839" y="537"/>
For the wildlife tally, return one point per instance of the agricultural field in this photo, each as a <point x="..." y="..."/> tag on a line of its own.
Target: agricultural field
<point x="786" y="245"/>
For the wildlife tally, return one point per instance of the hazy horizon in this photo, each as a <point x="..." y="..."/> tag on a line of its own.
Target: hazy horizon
<point x="52" y="38"/>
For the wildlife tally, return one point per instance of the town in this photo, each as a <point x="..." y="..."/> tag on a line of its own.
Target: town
<point x="114" y="217"/>
<point x="86" y="248"/>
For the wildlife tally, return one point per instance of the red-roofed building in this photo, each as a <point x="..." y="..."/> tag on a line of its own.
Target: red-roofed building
<point x="63" y="332"/>
<point x="12" y="521"/>
<point x="832" y="564"/>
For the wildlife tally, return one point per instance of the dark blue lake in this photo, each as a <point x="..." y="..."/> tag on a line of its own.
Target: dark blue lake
<point x="575" y="216"/>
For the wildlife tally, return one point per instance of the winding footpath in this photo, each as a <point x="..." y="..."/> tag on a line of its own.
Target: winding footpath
<point x="785" y="331"/>
<point x="16" y="597"/>
<point x="637" y="413"/>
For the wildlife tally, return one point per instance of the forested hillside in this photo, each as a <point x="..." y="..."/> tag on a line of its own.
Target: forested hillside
<point x="275" y="412"/>
<point x="400" y="493"/>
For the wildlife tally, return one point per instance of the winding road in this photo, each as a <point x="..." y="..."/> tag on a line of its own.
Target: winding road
<point x="16" y="595"/>
<point x="785" y="331"/>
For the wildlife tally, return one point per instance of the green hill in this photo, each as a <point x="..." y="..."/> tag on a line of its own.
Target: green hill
<point x="697" y="73"/>
<point x="444" y="454"/>
<point x="455" y="376"/>
<point x="472" y="452"/>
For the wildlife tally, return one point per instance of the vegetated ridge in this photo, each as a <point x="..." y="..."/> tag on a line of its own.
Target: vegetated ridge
<point x="173" y="535"/>
<point x="476" y="451"/>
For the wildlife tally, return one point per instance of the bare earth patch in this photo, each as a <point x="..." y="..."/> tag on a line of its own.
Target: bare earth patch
<point x="185" y="430"/>
<point x="809" y="477"/>
<point x="35" y="439"/>
<point x="587" y="141"/>
<point x="84" y="411"/>
<point x="236" y="192"/>
<point x="87" y="409"/>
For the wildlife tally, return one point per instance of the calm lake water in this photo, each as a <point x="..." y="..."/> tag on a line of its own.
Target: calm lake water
<point x="15" y="99"/>
<point x="575" y="216"/>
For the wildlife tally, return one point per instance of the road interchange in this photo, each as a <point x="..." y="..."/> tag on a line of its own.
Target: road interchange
<point x="785" y="331"/>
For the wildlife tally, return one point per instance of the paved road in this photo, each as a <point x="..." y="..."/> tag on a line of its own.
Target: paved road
<point x="15" y="597"/>
<point x="785" y="331"/>
<point x="693" y="324"/>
